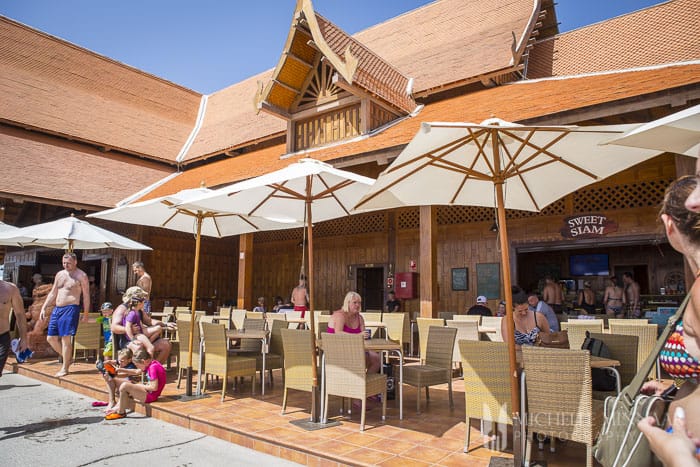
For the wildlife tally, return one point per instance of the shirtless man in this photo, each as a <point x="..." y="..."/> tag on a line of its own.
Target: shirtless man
<point x="632" y="295"/>
<point x="552" y="294"/>
<point x="300" y="296"/>
<point x="68" y="285"/>
<point x="145" y="282"/>
<point x="614" y="299"/>
<point x="10" y="299"/>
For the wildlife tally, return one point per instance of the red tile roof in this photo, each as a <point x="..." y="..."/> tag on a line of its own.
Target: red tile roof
<point x="515" y="102"/>
<point x="57" y="169"/>
<point x="664" y="33"/>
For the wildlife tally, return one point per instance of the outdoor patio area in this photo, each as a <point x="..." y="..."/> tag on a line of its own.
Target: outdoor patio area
<point x="435" y="437"/>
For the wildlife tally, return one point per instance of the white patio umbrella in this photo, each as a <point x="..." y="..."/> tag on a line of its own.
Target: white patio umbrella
<point x="162" y="212"/>
<point x="305" y="191"/>
<point x="69" y="233"/>
<point x="7" y="228"/>
<point x="678" y="133"/>
<point x="502" y="165"/>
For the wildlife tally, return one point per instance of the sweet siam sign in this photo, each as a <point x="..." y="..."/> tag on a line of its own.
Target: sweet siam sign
<point x="588" y="226"/>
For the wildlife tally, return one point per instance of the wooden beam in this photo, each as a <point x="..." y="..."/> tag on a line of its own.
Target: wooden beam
<point x="299" y="59"/>
<point x="286" y="86"/>
<point x="428" y="262"/>
<point x="245" y="272"/>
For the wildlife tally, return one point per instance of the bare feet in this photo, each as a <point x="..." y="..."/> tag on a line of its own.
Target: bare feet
<point x="61" y="373"/>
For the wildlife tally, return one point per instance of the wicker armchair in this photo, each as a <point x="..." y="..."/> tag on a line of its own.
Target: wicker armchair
<point x="559" y="398"/>
<point x="397" y="327"/>
<point x="346" y="375"/>
<point x="237" y="318"/>
<point x="375" y="316"/>
<point x="218" y="362"/>
<point x="466" y="330"/>
<point x="646" y="332"/>
<point x="445" y="315"/>
<point x="297" y="362"/>
<point x="438" y="363"/>
<point x="88" y="337"/>
<point x="273" y="358"/>
<point x="183" y="336"/>
<point x="576" y="329"/>
<point x="423" y="325"/>
<point x="486" y="386"/>
<point x="623" y="349"/>
<point x="475" y="318"/>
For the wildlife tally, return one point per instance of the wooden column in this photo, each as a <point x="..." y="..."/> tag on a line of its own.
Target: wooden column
<point x="428" y="262"/>
<point x="245" y="272"/>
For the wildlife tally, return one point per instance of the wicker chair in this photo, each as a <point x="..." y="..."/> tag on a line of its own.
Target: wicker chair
<point x="345" y="372"/>
<point x="253" y="346"/>
<point x="445" y="315"/>
<point x="423" y="325"/>
<point x="576" y="329"/>
<point x="486" y="386"/>
<point x="646" y="332"/>
<point x="254" y="314"/>
<point x="438" y="363"/>
<point x="623" y="349"/>
<point x="495" y="323"/>
<point x="466" y="330"/>
<point x="275" y="356"/>
<point x="183" y="335"/>
<point x="559" y="397"/>
<point x="372" y="316"/>
<point x="297" y="362"/>
<point x="475" y="318"/>
<point x="225" y="312"/>
<point x="237" y="318"/>
<point x="218" y="362"/>
<point x="88" y="337"/>
<point x="396" y="327"/>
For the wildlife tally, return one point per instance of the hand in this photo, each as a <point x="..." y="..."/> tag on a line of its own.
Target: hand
<point x="653" y="388"/>
<point x="676" y="449"/>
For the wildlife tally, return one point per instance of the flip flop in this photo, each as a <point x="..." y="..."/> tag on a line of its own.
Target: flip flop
<point x="115" y="416"/>
<point x="100" y="404"/>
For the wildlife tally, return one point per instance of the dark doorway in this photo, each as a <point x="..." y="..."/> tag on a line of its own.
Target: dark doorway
<point x="640" y="274"/>
<point x="370" y="284"/>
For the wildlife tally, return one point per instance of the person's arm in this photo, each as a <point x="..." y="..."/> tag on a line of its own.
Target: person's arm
<point x="85" y="286"/>
<point x="676" y="449"/>
<point x="126" y="372"/>
<point x="541" y="321"/>
<point x="116" y="325"/>
<point x="129" y="328"/>
<point x="605" y="296"/>
<point x="579" y="299"/>
<point x="152" y="383"/>
<point x="18" y="309"/>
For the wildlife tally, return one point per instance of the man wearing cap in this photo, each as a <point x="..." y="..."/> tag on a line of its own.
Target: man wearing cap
<point x="480" y="308"/>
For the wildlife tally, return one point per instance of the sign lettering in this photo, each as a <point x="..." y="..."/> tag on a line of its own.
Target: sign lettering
<point x="588" y="226"/>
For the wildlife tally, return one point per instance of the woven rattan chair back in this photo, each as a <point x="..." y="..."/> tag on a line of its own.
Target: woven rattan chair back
<point x="372" y="316"/>
<point x="87" y="337"/>
<point x="237" y="318"/>
<point x="254" y="315"/>
<point x="576" y="330"/>
<point x="423" y="325"/>
<point x="218" y="362"/>
<point x="647" y="334"/>
<point x="346" y="376"/>
<point x="252" y="345"/>
<point x="446" y="315"/>
<point x="183" y="335"/>
<point x="475" y="318"/>
<point x="486" y="383"/>
<point x="559" y="397"/>
<point x="396" y="327"/>
<point x="466" y="330"/>
<point x="438" y="363"/>
<point x="624" y="349"/>
<point x="298" y="373"/>
<point x="321" y="320"/>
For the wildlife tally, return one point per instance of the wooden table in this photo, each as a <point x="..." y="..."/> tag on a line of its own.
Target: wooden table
<point x="262" y="335"/>
<point x="376" y="345"/>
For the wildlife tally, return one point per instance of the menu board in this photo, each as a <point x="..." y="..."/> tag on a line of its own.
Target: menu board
<point x="488" y="280"/>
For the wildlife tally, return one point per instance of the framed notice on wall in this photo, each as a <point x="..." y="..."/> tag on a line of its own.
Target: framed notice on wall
<point x="460" y="278"/>
<point x="488" y="280"/>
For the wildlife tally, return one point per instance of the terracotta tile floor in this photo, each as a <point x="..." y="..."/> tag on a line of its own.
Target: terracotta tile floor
<point x="433" y="438"/>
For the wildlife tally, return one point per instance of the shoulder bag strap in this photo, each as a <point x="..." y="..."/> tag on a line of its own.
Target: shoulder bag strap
<point x="641" y="376"/>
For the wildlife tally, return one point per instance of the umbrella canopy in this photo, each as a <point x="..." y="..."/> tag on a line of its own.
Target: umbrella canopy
<point x="678" y="132"/>
<point x="163" y="212"/>
<point x="503" y="165"/>
<point x="69" y="233"/>
<point x="306" y="191"/>
<point x="6" y="229"/>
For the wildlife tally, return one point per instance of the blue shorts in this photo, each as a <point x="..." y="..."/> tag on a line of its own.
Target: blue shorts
<point x="64" y="320"/>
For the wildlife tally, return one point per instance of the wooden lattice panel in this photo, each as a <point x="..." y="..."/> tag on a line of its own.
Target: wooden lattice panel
<point x="327" y="128"/>
<point x="631" y="195"/>
<point x="379" y="116"/>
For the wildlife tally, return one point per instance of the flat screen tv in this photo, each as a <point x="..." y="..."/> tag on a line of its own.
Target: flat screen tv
<point x="594" y="264"/>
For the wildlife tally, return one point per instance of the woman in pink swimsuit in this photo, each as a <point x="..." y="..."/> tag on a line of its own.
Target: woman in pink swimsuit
<point x="349" y="320"/>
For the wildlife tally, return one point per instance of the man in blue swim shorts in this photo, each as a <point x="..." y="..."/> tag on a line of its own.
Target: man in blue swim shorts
<point x="68" y="286"/>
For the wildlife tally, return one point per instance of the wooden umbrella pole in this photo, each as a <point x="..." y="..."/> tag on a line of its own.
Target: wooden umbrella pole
<point x="198" y="238"/>
<point x="315" y="415"/>
<point x="507" y="285"/>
